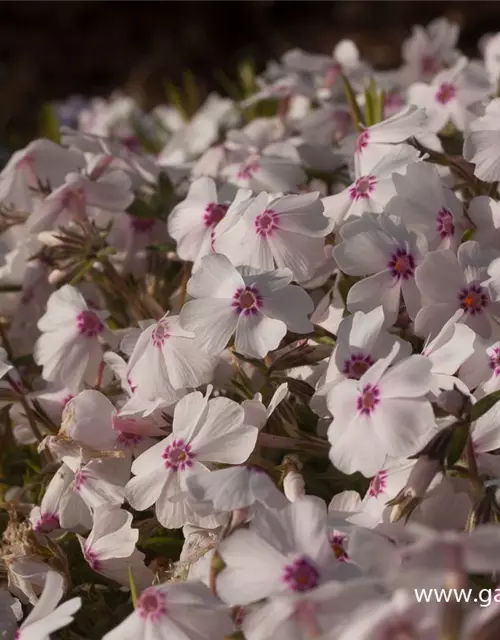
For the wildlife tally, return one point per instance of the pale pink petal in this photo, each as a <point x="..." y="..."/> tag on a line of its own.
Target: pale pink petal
<point x="410" y="378"/>
<point x="212" y="320"/>
<point x="216" y="278"/>
<point x="248" y="577"/>
<point x="256" y="335"/>
<point x="403" y="425"/>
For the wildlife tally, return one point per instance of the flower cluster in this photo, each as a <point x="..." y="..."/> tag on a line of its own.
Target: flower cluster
<point x="251" y="358"/>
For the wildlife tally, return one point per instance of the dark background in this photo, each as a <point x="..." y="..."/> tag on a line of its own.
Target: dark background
<point x="50" y="50"/>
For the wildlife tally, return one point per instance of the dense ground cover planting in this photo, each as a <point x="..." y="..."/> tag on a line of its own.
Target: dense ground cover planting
<point x="251" y="356"/>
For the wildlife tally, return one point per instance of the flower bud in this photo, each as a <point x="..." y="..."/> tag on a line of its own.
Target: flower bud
<point x="412" y="494"/>
<point x="57" y="276"/>
<point x="50" y="239"/>
<point x="485" y="510"/>
<point x="294" y="486"/>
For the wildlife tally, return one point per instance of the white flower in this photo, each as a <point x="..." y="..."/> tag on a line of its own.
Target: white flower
<point x="270" y="231"/>
<point x="482" y="143"/>
<point x="383" y="413"/>
<point x="257" y="306"/>
<point x="110" y="548"/>
<point x="491" y="55"/>
<point x="203" y="431"/>
<point x="482" y="366"/>
<point x="130" y="236"/>
<point x="234" y="488"/>
<point x="192" y="223"/>
<point x="425" y="205"/>
<point x="45" y="518"/>
<point x="91" y="419"/>
<point x="485" y="214"/>
<point x="165" y="360"/>
<point x="5" y="365"/>
<point x="429" y="48"/>
<point x="285" y="551"/>
<point x="448" y="351"/>
<point x="111" y="192"/>
<point x="69" y="348"/>
<point x="178" y="612"/>
<point x="375" y="142"/>
<point x="46" y="617"/>
<point x="361" y="341"/>
<point x="450" y="282"/>
<point x="401" y="616"/>
<point x="457" y="551"/>
<point x="62" y="506"/>
<point x="382" y="246"/>
<point x="195" y="137"/>
<point x="294" y="616"/>
<point x="450" y="93"/>
<point x="373" y="186"/>
<point x="42" y="160"/>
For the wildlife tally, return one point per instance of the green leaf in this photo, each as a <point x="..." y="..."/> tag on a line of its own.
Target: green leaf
<point x="133" y="587"/>
<point x="457" y="443"/>
<point x="81" y="273"/>
<point x="380" y="107"/>
<point x="483" y="405"/>
<point x="246" y="72"/>
<point x="175" y="98"/>
<point x="49" y="123"/>
<point x="141" y="209"/>
<point x="370" y="103"/>
<point x="230" y="87"/>
<point x="356" y="115"/>
<point x="469" y="234"/>
<point x="192" y="95"/>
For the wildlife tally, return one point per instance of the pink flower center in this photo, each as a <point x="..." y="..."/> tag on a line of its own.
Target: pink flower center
<point x="91" y="558"/>
<point x="178" y="456"/>
<point x="362" y="141"/>
<point x="368" y="399"/>
<point x="444" y="223"/>
<point x="266" y="223"/>
<point x="160" y="334"/>
<point x="141" y="225"/>
<point x="89" y="324"/>
<point x="152" y="604"/>
<point x="66" y="399"/>
<point x="247" y="301"/>
<point x="378" y="484"/>
<point x="337" y="541"/>
<point x="356" y="365"/>
<point x="362" y="188"/>
<point x="47" y="523"/>
<point x="402" y="264"/>
<point x="301" y="575"/>
<point x="495" y="361"/>
<point x="214" y="213"/>
<point x="74" y="200"/>
<point x="446" y="92"/>
<point x="473" y="299"/>
<point x="248" y="170"/>
<point x="128" y="439"/>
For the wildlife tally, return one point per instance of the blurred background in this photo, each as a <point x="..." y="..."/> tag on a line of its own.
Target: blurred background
<point x="51" y="50"/>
